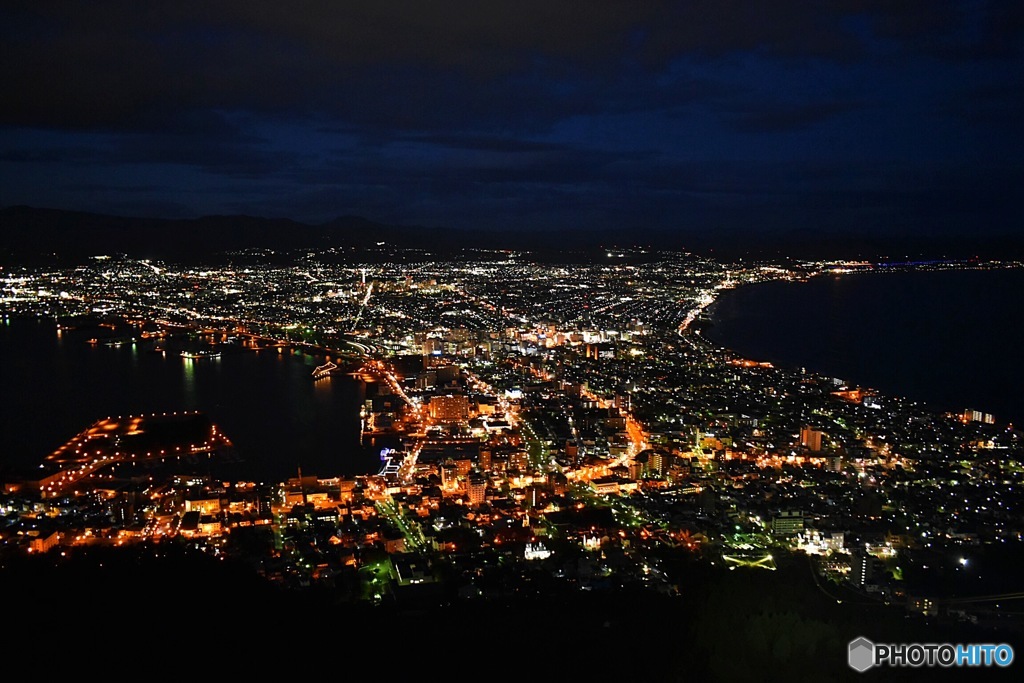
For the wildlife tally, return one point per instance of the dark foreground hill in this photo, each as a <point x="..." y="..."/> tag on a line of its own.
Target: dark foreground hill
<point x="114" y="610"/>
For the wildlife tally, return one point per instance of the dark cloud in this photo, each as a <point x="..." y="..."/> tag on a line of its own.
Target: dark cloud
<point x="709" y="112"/>
<point x="483" y="143"/>
<point x="66" y="155"/>
<point x="997" y="106"/>
<point x="112" y="64"/>
<point x="981" y="29"/>
<point x="781" y="116"/>
<point x="226" y="154"/>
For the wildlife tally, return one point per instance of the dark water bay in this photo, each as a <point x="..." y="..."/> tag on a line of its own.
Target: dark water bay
<point x="951" y="339"/>
<point x="279" y="418"/>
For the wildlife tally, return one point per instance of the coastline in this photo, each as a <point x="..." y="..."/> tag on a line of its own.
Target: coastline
<point x="299" y="422"/>
<point x="740" y="321"/>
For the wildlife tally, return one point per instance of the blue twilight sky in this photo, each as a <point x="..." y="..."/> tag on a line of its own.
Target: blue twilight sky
<point x="714" y="115"/>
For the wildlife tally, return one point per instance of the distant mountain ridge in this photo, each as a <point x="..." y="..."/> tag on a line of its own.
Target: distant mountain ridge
<point x="31" y="234"/>
<point x="39" y="233"/>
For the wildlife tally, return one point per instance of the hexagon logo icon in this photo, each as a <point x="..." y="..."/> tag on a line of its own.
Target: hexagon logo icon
<point x="861" y="656"/>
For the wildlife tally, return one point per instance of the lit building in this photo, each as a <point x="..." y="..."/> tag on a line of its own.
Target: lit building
<point x="788" y="523"/>
<point x="536" y="552"/>
<point x="636" y="469"/>
<point x="433" y="346"/>
<point x="811" y="439"/>
<point x="863" y="569"/>
<point x="605" y="485"/>
<point x="448" y="373"/>
<point x="206" y="506"/>
<point x="450" y="408"/>
<point x="977" y="416"/>
<point x="476" y="488"/>
<point x="43" y="543"/>
<point x="658" y="462"/>
<point x="519" y="460"/>
<point x="449" y="475"/>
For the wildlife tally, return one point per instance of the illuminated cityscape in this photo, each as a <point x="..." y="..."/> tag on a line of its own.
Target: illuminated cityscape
<point x="617" y="341"/>
<point x="562" y="429"/>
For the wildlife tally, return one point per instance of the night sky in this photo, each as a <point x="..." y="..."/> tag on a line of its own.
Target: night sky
<point x="845" y="116"/>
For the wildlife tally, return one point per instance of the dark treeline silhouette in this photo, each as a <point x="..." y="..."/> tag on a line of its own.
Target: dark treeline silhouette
<point x="744" y="625"/>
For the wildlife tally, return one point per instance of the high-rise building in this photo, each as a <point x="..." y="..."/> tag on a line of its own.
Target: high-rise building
<point x="432" y="346"/>
<point x="449" y="475"/>
<point x="448" y="373"/>
<point x="811" y="439"/>
<point x="977" y="416"/>
<point x="788" y="523"/>
<point x="476" y="488"/>
<point x="636" y="469"/>
<point x="863" y="569"/>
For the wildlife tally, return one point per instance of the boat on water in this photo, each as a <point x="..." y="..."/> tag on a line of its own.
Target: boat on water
<point x="202" y="353"/>
<point x="110" y="341"/>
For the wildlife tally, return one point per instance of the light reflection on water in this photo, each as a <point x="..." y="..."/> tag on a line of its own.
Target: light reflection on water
<point x="266" y="402"/>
